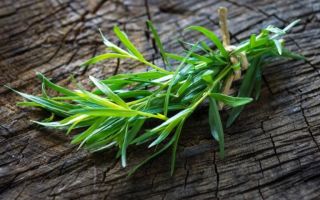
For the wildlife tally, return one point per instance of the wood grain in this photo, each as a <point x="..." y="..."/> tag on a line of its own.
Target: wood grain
<point x="272" y="152"/>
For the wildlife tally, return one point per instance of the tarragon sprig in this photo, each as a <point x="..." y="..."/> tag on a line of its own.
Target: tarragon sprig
<point x="113" y="114"/>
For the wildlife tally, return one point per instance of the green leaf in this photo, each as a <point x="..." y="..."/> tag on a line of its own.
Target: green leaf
<point x="180" y="58"/>
<point x="179" y="116"/>
<point x="55" y="87"/>
<point x="207" y="76"/>
<point x="112" y="46"/>
<point x="292" y="24"/>
<point x="110" y="112"/>
<point x="212" y="36"/>
<point x="65" y="122"/>
<point x="216" y="125"/>
<point x="205" y="46"/>
<point x="59" y="108"/>
<point x="201" y="58"/>
<point x="278" y="46"/>
<point x="258" y="81"/>
<point x="173" y="80"/>
<point x="127" y="43"/>
<point x="184" y="86"/>
<point x="140" y="75"/>
<point x="102" y="57"/>
<point x="137" y="125"/>
<point x="289" y="54"/>
<point x="107" y="91"/>
<point x="124" y="147"/>
<point x="230" y="100"/>
<point x="97" y="99"/>
<point x="275" y="30"/>
<point x="107" y="129"/>
<point x="43" y="90"/>
<point x="253" y="40"/>
<point x="245" y="89"/>
<point x="28" y="104"/>
<point x="175" y="146"/>
<point x="134" y="94"/>
<point x="164" y="134"/>
<point x="158" y="42"/>
<point x="106" y="112"/>
<point x="107" y="144"/>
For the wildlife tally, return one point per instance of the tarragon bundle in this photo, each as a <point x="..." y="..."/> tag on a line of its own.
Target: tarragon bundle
<point x="114" y="113"/>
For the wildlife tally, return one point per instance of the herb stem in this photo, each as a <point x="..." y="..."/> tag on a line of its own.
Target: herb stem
<point x="212" y="86"/>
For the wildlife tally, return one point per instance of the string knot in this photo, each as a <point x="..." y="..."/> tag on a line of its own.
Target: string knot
<point x="239" y="60"/>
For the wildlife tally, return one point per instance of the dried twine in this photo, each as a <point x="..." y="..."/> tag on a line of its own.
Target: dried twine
<point x="234" y="59"/>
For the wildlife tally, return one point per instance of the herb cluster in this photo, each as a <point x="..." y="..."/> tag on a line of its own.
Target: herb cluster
<point x="113" y="114"/>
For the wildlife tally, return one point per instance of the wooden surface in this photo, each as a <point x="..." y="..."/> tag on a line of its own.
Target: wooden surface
<point x="272" y="152"/>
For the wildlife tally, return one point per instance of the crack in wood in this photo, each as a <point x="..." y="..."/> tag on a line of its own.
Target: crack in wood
<point x="57" y="166"/>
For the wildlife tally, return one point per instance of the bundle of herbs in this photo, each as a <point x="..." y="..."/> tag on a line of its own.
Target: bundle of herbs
<point x="113" y="114"/>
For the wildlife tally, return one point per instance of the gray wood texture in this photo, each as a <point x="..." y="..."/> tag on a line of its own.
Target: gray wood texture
<point x="272" y="151"/>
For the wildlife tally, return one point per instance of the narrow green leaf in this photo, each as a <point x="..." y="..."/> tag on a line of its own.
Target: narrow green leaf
<point x="292" y="24"/>
<point x="136" y="127"/>
<point x="43" y="90"/>
<point x="48" y="104"/>
<point x="152" y="74"/>
<point x="165" y="133"/>
<point x="212" y="36"/>
<point x="275" y="30"/>
<point x="158" y="42"/>
<point x="124" y="147"/>
<point x="112" y="46"/>
<point x="230" y="100"/>
<point x="205" y="46"/>
<point x="173" y="80"/>
<point x="80" y="137"/>
<point x="278" y="46"/>
<point x="216" y="125"/>
<point x="180" y="115"/>
<point x="245" y="90"/>
<point x="100" y="112"/>
<point x="127" y="43"/>
<point x="28" y="104"/>
<point x="106" y="112"/>
<point x="106" y="146"/>
<point x="106" y="130"/>
<point x="253" y="40"/>
<point x="180" y="58"/>
<point x="55" y="87"/>
<point x="258" y="82"/>
<point x="207" y="76"/>
<point x="201" y="58"/>
<point x="134" y="53"/>
<point x="184" y="86"/>
<point x="97" y="99"/>
<point x="134" y="94"/>
<point x="107" y="91"/>
<point x="65" y="122"/>
<point x="289" y="54"/>
<point x="175" y="146"/>
<point x="105" y="56"/>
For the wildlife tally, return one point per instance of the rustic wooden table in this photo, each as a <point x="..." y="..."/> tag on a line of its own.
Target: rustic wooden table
<point x="272" y="152"/>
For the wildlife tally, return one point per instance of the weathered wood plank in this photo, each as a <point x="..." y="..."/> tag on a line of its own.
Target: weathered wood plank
<point x="272" y="150"/>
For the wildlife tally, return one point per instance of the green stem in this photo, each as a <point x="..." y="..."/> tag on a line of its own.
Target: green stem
<point x="212" y="86"/>
<point x="158" y="116"/>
